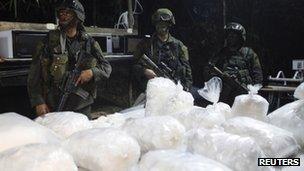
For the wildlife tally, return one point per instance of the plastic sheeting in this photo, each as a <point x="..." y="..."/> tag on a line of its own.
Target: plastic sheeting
<point x="299" y="92"/>
<point x="251" y="105"/>
<point x="37" y="157"/>
<point x="170" y="160"/>
<point x="291" y="118"/>
<point x="238" y="153"/>
<point x="274" y="141"/>
<point x="65" y="123"/>
<point x="156" y="132"/>
<point x="103" y="149"/>
<point x="16" y="130"/>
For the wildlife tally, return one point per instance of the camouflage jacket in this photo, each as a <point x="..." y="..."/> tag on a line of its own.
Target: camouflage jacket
<point x="243" y="64"/>
<point x="50" y="65"/>
<point x="172" y="52"/>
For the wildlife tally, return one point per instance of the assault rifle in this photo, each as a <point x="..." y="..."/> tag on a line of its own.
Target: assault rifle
<point x="69" y="86"/>
<point x="228" y="79"/>
<point x="162" y="70"/>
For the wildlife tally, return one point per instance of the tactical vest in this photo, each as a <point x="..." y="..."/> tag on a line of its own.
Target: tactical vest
<point x="167" y="53"/>
<point x="238" y="65"/>
<point x="55" y="65"/>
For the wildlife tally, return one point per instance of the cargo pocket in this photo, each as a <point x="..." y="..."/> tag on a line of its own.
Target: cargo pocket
<point x="58" y="67"/>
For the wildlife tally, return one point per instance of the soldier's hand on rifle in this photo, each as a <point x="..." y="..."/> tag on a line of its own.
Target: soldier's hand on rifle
<point x="42" y="109"/>
<point x="85" y="76"/>
<point x="149" y="73"/>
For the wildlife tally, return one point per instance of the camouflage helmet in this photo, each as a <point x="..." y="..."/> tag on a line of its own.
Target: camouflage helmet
<point x="74" y="5"/>
<point x="236" y="27"/>
<point x="163" y="14"/>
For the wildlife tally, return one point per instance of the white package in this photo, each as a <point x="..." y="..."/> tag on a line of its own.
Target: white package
<point x="182" y="101"/>
<point x="115" y="120"/>
<point x="251" y="105"/>
<point x="171" y="160"/>
<point x="156" y="132"/>
<point x="200" y="117"/>
<point x="299" y="92"/>
<point x="103" y="149"/>
<point x="164" y="97"/>
<point x="17" y="130"/>
<point x="238" y="153"/>
<point x="159" y="91"/>
<point x="37" y="157"/>
<point x="291" y="118"/>
<point x="274" y="141"/>
<point x="65" y="123"/>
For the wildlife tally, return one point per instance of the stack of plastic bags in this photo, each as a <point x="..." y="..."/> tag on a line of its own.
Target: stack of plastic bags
<point x="211" y="116"/>
<point x="291" y="116"/>
<point x="274" y="141"/>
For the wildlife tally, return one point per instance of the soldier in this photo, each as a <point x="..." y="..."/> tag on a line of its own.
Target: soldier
<point x="57" y="56"/>
<point x="236" y="61"/>
<point x="163" y="47"/>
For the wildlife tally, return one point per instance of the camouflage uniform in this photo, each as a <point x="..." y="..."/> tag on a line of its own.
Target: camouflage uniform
<point x="173" y="53"/>
<point x="51" y="63"/>
<point x="242" y="64"/>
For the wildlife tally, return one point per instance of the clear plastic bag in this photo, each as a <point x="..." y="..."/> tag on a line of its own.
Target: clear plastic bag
<point x="212" y="90"/>
<point x="64" y="123"/>
<point x="156" y="132"/>
<point x="299" y="92"/>
<point x="274" y="141"/>
<point x="238" y="153"/>
<point x="251" y="105"/>
<point x="171" y="160"/>
<point x="17" y="130"/>
<point x="291" y="118"/>
<point x="37" y="157"/>
<point x="103" y="149"/>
